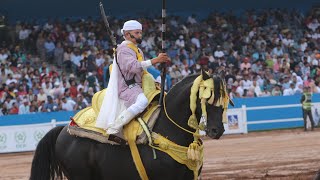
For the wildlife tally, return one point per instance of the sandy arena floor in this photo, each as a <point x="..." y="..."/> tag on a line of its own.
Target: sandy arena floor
<point x="281" y="154"/>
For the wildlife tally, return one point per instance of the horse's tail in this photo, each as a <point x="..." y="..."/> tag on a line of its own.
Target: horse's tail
<point x="44" y="164"/>
<point x="317" y="177"/>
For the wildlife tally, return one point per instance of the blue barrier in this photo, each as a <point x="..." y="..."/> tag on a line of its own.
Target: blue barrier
<point x="277" y="125"/>
<point x="275" y="112"/>
<point x="272" y="100"/>
<point x="25" y="119"/>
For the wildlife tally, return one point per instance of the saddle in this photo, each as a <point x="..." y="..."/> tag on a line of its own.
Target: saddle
<point x="83" y="123"/>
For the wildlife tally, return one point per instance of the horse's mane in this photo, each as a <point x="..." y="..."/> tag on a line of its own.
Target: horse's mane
<point x="183" y="84"/>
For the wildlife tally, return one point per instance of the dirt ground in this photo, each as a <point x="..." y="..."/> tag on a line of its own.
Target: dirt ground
<point x="281" y="154"/>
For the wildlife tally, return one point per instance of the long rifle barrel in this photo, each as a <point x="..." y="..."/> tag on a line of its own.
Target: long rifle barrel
<point x="106" y="23"/>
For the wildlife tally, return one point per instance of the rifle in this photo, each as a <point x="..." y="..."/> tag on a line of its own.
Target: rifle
<point x="114" y="42"/>
<point x="106" y="23"/>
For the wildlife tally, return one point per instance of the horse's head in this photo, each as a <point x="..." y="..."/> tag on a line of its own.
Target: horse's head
<point x="216" y="105"/>
<point x="207" y="100"/>
<point x="215" y="127"/>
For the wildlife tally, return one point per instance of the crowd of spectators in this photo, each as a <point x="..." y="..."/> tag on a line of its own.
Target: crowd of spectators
<point x="59" y="65"/>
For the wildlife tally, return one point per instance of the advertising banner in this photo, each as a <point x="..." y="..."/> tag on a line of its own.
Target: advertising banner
<point x="22" y="138"/>
<point x="236" y="123"/>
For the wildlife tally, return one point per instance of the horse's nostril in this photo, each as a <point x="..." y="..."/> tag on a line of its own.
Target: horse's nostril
<point x="214" y="131"/>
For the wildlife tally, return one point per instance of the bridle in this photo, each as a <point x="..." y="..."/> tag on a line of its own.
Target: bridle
<point x="206" y="96"/>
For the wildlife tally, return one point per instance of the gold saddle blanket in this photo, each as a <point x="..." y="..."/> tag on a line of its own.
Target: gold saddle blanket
<point x="86" y="118"/>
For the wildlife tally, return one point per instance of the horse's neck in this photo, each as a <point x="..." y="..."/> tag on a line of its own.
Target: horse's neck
<point x="178" y="109"/>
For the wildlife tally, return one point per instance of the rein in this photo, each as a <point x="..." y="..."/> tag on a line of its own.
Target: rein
<point x="205" y="88"/>
<point x="206" y="95"/>
<point x="176" y="124"/>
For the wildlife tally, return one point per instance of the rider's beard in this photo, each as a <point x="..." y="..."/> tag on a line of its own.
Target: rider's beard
<point x="138" y="40"/>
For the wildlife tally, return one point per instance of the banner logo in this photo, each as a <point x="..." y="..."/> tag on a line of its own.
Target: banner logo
<point x="38" y="135"/>
<point x="3" y="139"/>
<point x="20" y="138"/>
<point x="233" y="122"/>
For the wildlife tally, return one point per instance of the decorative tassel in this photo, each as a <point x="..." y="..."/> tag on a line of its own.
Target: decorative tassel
<point x="197" y="154"/>
<point x="193" y="151"/>
<point x="192" y="122"/>
<point x="224" y="117"/>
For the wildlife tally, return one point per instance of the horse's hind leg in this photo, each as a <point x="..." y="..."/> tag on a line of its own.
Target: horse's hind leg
<point x="73" y="155"/>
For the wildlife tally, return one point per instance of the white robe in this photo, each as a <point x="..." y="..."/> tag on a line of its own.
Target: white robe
<point x="111" y="106"/>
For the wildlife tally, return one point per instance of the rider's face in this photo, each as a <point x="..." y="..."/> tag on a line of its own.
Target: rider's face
<point x="135" y="36"/>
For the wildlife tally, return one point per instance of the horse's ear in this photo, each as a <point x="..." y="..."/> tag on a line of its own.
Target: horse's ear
<point x="231" y="102"/>
<point x="205" y="75"/>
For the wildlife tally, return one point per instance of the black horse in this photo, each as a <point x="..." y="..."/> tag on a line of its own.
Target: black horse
<point x="78" y="158"/>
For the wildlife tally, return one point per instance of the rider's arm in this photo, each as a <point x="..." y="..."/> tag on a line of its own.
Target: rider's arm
<point x="148" y="63"/>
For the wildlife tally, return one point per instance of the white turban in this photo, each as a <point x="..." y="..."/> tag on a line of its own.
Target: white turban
<point x="131" y="25"/>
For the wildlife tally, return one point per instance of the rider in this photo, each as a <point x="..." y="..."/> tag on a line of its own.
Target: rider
<point x="129" y="75"/>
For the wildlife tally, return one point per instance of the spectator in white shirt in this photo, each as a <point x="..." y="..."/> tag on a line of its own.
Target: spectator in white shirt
<point x="277" y="51"/>
<point x="195" y="40"/>
<point x="49" y="46"/>
<point x="180" y="42"/>
<point x="288" y="41"/>
<point x="298" y="89"/>
<point x="218" y="53"/>
<point x="185" y="72"/>
<point x="47" y="87"/>
<point x="24" y="107"/>
<point x="75" y="59"/>
<point x="240" y="89"/>
<point x="317" y="87"/>
<point x="48" y="26"/>
<point x="3" y="56"/>
<point x="256" y="88"/>
<point x="10" y="79"/>
<point x="246" y="82"/>
<point x="289" y="91"/>
<point x="72" y="37"/>
<point x="192" y="19"/>
<point x="313" y="25"/>
<point x="67" y="105"/>
<point x="303" y="44"/>
<point x="57" y="91"/>
<point x="41" y="96"/>
<point x="99" y="60"/>
<point x="24" y="33"/>
<point x="265" y="93"/>
<point x="9" y="102"/>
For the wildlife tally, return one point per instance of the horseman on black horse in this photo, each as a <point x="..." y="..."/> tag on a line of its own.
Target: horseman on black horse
<point x="172" y="150"/>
